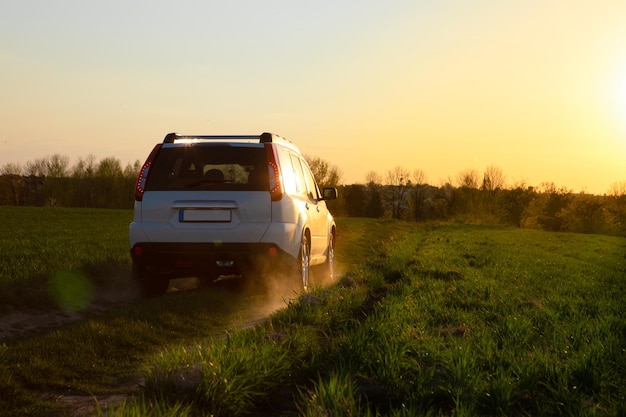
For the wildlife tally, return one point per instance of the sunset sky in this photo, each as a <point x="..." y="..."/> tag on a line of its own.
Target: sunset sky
<point x="536" y="88"/>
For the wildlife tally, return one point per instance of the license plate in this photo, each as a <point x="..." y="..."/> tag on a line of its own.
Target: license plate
<point x="204" y="216"/>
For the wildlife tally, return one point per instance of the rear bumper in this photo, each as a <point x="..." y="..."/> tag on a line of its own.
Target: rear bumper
<point x="207" y="259"/>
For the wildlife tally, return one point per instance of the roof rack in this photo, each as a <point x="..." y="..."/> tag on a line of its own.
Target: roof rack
<point x="263" y="138"/>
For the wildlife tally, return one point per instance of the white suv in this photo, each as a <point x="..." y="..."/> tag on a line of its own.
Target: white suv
<point x="209" y="206"/>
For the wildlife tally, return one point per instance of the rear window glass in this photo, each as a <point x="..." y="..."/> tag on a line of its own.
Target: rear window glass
<point x="209" y="167"/>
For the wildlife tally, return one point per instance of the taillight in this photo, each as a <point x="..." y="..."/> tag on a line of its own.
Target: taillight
<point x="276" y="185"/>
<point x="137" y="250"/>
<point x="140" y="186"/>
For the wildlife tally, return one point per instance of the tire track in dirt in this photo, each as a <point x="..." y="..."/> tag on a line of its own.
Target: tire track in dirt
<point x="15" y="324"/>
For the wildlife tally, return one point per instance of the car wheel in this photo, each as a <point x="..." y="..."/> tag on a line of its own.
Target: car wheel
<point x="150" y="285"/>
<point x="305" y="251"/>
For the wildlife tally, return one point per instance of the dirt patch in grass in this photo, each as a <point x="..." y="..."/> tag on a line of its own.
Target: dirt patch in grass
<point x="17" y="322"/>
<point x="20" y="323"/>
<point x="257" y="302"/>
<point x="83" y="405"/>
<point x="87" y="405"/>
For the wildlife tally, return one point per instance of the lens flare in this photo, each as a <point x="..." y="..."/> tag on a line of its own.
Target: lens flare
<point x="70" y="291"/>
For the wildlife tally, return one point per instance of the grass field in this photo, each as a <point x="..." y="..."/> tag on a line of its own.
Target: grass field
<point x="428" y="319"/>
<point x="38" y="244"/>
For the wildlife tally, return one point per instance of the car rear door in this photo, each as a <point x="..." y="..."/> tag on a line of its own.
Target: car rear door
<point x="315" y="209"/>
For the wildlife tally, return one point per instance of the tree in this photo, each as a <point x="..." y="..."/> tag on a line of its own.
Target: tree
<point x="132" y="170"/>
<point x="37" y="168"/>
<point x="585" y="213"/>
<point x="375" y="207"/>
<point x="468" y="198"/>
<point x="544" y="210"/>
<point x="325" y="175"/>
<point x="418" y="195"/>
<point x="468" y="179"/>
<point x="373" y="177"/>
<point x="493" y="184"/>
<point x="618" y="189"/>
<point x="109" y="168"/>
<point x="12" y="184"/>
<point x="446" y="200"/>
<point x="57" y="189"/>
<point x="111" y="188"/>
<point x="83" y="176"/>
<point x="397" y="180"/>
<point x="11" y="169"/>
<point x="355" y="198"/>
<point x="493" y="179"/>
<point x="514" y="203"/>
<point x="419" y="177"/>
<point x="617" y="205"/>
<point x="57" y="166"/>
<point x="85" y="168"/>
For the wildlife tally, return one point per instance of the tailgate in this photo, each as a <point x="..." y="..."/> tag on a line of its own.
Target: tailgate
<point x="225" y="216"/>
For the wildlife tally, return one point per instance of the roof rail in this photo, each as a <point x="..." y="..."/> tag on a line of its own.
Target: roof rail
<point x="172" y="137"/>
<point x="265" y="137"/>
<point x="272" y="137"/>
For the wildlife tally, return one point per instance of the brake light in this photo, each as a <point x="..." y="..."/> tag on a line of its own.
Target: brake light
<point x="276" y="184"/>
<point x="140" y="186"/>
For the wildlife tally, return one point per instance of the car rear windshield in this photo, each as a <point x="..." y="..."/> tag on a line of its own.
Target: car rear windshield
<point x="220" y="167"/>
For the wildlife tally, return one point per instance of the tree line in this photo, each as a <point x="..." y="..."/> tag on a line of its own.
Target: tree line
<point x="481" y="198"/>
<point x="52" y="181"/>
<point x="472" y="196"/>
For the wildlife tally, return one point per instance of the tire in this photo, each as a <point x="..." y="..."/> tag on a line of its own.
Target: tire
<point x="304" y="262"/>
<point x="150" y="285"/>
